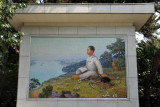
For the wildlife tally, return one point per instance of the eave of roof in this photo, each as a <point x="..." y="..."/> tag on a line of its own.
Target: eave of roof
<point x="84" y="14"/>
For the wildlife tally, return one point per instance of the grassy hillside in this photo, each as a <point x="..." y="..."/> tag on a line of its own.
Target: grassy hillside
<point x="100" y="90"/>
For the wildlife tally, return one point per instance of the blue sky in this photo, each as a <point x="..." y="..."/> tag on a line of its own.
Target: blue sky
<point x="66" y="48"/>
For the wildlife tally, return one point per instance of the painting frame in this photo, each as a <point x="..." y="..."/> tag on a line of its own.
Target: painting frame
<point x="86" y="36"/>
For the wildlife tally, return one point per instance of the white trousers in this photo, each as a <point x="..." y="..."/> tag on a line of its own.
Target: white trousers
<point x="86" y="74"/>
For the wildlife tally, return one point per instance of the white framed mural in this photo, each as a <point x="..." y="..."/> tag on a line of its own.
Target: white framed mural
<point x="75" y="67"/>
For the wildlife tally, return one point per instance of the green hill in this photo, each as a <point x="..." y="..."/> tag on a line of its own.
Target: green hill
<point x="100" y="90"/>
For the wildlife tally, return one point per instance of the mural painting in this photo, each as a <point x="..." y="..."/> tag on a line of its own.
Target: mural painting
<point x="77" y="68"/>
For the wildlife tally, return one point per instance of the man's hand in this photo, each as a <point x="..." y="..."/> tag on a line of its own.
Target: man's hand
<point x="103" y="75"/>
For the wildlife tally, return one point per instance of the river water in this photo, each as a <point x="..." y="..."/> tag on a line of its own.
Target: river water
<point x="44" y="70"/>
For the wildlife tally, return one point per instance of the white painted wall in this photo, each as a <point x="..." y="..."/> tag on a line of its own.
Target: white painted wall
<point x="97" y="31"/>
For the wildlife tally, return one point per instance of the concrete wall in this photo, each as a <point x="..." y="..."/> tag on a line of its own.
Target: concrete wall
<point x="127" y="32"/>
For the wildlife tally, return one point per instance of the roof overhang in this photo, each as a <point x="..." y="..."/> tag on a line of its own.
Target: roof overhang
<point x="89" y="14"/>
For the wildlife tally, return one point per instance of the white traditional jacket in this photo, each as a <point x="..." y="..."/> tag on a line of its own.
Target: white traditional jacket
<point x="93" y="64"/>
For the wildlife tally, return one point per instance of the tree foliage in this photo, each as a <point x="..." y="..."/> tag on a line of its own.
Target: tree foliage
<point x="114" y="51"/>
<point x="148" y="88"/>
<point x="9" y="43"/>
<point x="148" y="58"/>
<point x="96" y="1"/>
<point x="9" y="80"/>
<point x="117" y="47"/>
<point x="33" y="83"/>
<point x="85" y="1"/>
<point x="9" y="37"/>
<point x="46" y="92"/>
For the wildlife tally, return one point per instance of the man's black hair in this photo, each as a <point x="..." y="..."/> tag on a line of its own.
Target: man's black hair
<point x="92" y="48"/>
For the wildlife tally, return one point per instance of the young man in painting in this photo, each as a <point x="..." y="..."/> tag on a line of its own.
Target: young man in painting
<point x="93" y="66"/>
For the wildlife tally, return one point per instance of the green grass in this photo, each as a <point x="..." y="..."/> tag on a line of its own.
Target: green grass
<point x="66" y="83"/>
